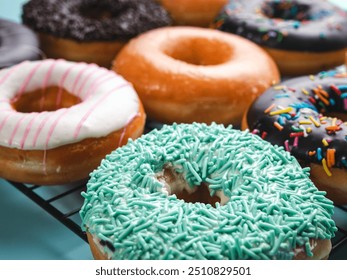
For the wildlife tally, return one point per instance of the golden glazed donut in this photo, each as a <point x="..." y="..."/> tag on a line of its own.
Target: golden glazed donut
<point x="91" y="31"/>
<point x="187" y="74"/>
<point x="58" y="119"/>
<point x="193" y="12"/>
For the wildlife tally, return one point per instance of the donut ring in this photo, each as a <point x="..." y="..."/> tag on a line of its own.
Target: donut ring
<point x="90" y="31"/>
<point x="194" y="13"/>
<point x="18" y="43"/>
<point x="61" y="119"/>
<point x="187" y="74"/>
<point x="205" y="192"/>
<point x="294" y="114"/>
<point x="302" y="36"/>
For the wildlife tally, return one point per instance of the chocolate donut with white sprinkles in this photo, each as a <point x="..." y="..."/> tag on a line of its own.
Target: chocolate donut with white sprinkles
<point x="92" y="31"/>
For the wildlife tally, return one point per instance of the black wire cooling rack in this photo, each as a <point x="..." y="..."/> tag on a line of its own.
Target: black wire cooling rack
<point x="64" y="203"/>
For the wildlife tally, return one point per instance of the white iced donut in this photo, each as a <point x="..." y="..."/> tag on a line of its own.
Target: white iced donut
<point x="58" y="119"/>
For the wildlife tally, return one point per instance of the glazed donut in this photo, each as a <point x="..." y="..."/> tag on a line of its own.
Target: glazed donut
<point x="301" y="115"/>
<point x="58" y="119"/>
<point x="195" y="13"/>
<point x="91" y="31"/>
<point x="194" y="191"/>
<point x="187" y="74"/>
<point x="17" y="43"/>
<point x="302" y="36"/>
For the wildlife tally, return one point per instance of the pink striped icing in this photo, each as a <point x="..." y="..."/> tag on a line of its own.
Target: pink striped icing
<point x="27" y="129"/>
<point x="16" y="128"/>
<point x="61" y="84"/>
<point x="45" y="82"/>
<point x="108" y="102"/>
<point x="90" y="111"/>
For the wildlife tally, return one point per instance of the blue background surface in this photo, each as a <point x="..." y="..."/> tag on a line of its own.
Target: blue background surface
<point x="26" y="231"/>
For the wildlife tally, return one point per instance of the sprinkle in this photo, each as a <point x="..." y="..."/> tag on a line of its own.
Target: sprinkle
<point x="333" y="123"/>
<point x="333" y="128"/>
<point x="325" y="142"/>
<point x="309" y="130"/>
<point x="342" y="87"/>
<point x="296" y="142"/>
<point x="305" y="91"/>
<point x="296" y="134"/>
<point x="283" y="111"/>
<point x="331" y="157"/>
<point x="317" y="124"/>
<point x="319" y="154"/>
<point x="263" y="135"/>
<point x="325" y="167"/>
<point x="268" y="109"/>
<point x="312" y="78"/>
<point x="278" y="126"/>
<point x="335" y="89"/>
<point x="279" y="87"/>
<point x="321" y="96"/>
<point x="311" y="153"/>
<point x="312" y="100"/>
<point x="286" y="145"/>
<point x="305" y="122"/>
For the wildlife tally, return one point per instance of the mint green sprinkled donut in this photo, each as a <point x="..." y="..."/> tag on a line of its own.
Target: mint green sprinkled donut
<point x="194" y="191"/>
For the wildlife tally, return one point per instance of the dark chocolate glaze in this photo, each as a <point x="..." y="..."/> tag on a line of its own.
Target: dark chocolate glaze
<point x="94" y="20"/>
<point x="297" y="25"/>
<point x="17" y="43"/>
<point x="315" y="98"/>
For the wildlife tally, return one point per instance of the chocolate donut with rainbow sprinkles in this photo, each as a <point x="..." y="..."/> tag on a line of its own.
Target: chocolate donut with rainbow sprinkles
<point x="302" y="36"/>
<point x="58" y="119"/>
<point x="197" y="191"/>
<point x="303" y="115"/>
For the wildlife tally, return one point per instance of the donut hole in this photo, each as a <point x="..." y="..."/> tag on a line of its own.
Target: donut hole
<point x="286" y="10"/>
<point x="49" y="99"/>
<point x="199" y="51"/>
<point x="176" y="185"/>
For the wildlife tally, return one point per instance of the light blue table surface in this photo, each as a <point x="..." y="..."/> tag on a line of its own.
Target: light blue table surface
<point x="26" y="231"/>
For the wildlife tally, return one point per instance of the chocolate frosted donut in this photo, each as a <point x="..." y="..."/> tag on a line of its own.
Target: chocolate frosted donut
<point x="92" y="31"/>
<point x="17" y="43"/>
<point x="289" y="27"/>
<point x="301" y="115"/>
<point x="93" y="20"/>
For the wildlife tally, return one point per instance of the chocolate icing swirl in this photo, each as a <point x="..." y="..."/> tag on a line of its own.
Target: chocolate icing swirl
<point x="17" y="43"/>
<point x="298" y="25"/>
<point x="91" y="20"/>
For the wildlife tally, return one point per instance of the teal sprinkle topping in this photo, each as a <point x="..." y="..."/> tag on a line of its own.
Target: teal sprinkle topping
<point x="267" y="204"/>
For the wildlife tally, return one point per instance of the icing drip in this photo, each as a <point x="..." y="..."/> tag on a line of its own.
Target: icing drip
<point x="269" y="207"/>
<point x="107" y="104"/>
